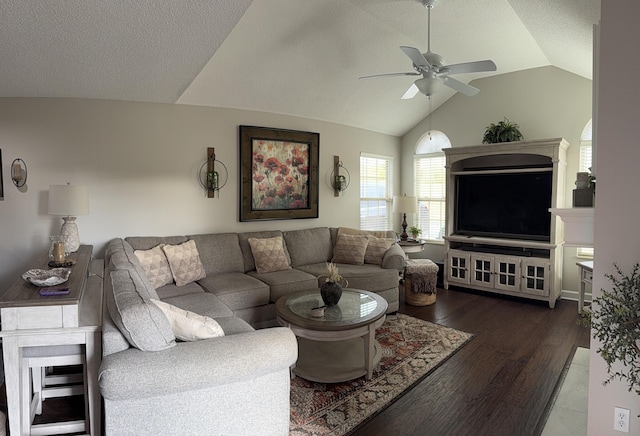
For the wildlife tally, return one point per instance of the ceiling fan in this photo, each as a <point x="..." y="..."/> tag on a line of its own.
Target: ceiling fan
<point x="431" y="67"/>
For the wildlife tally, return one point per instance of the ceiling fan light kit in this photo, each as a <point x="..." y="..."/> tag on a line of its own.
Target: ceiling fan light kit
<point x="434" y="71"/>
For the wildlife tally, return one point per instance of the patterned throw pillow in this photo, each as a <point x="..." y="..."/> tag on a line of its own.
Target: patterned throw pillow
<point x="189" y="326"/>
<point x="350" y="249"/>
<point x="155" y="265"/>
<point x="185" y="263"/>
<point x="268" y="254"/>
<point x="376" y="249"/>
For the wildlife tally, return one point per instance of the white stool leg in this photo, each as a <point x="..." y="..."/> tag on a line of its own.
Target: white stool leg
<point x="38" y="376"/>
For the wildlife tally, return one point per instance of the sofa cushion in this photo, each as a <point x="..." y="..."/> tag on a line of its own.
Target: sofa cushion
<point x="308" y="246"/>
<point x="189" y="326"/>
<point x="203" y="304"/>
<point x="350" y="249"/>
<point x="184" y="261"/>
<point x="247" y="254"/>
<point x="268" y="254"/>
<point x="286" y="282"/>
<point x="173" y="290"/>
<point x="219" y="252"/>
<point x="232" y="325"/>
<point x="120" y="255"/>
<point x="148" y="242"/>
<point x="368" y="277"/>
<point x="237" y="290"/>
<point x="155" y="265"/>
<point x="140" y="321"/>
<point x="376" y="249"/>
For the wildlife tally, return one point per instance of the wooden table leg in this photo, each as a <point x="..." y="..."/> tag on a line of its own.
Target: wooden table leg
<point x="12" y="379"/>
<point x="369" y="350"/>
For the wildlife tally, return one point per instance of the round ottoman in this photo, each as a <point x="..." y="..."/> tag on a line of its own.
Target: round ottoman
<point x="420" y="277"/>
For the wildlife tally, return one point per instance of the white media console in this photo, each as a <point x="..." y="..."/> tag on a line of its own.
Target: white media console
<point x="529" y="268"/>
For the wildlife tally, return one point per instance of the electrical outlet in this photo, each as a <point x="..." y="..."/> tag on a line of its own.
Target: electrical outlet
<point x="621" y="420"/>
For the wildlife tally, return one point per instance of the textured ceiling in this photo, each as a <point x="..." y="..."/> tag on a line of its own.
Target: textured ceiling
<point x="296" y="57"/>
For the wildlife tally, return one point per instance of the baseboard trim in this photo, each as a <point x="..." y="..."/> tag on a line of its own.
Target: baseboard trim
<point x="573" y="295"/>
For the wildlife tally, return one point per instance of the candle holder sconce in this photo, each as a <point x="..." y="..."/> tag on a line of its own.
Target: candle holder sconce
<point x="18" y="173"/>
<point x="339" y="182"/>
<point x="210" y="177"/>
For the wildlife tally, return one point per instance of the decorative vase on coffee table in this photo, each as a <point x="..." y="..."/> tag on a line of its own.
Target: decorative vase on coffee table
<point x="331" y="293"/>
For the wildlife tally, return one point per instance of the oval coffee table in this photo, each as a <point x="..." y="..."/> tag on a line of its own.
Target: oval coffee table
<point x="340" y="345"/>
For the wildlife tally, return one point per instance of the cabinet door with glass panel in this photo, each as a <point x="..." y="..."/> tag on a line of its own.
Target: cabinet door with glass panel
<point x="482" y="269"/>
<point x="535" y="276"/>
<point x="507" y="273"/>
<point x="458" y="267"/>
<point x="499" y="272"/>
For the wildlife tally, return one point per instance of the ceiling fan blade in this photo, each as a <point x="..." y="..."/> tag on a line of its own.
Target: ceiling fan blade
<point x="416" y="57"/>
<point x="411" y="92"/>
<point x="463" y="88"/>
<point x="471" y="67"/>
<point x="390" y="75"/>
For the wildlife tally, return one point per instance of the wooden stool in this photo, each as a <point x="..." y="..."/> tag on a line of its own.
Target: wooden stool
<point x="35" y="362"/>
<point x="420" y="279"/>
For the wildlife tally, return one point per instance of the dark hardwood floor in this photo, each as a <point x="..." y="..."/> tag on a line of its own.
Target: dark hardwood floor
<point x="502" y="382"/>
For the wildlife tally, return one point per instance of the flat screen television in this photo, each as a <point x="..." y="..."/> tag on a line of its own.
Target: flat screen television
<point x="504" y="205"/>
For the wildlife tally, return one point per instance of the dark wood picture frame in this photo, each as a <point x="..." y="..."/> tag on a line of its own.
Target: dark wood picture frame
<point x="278" y="173"/>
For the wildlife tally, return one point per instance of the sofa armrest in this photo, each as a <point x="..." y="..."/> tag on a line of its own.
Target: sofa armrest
<point x="394" y="258"/>
<point x="132" y="373"/>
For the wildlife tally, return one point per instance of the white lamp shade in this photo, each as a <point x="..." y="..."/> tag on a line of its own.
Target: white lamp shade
<point x="68" y="200"/>
<point x="405" y="204"/>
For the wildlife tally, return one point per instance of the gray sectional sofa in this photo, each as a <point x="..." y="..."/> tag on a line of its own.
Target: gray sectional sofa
<point x="235" y="384"/>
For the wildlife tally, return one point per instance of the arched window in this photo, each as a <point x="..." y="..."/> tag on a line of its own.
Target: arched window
<point x="430" y="184"/>
<point x="586" y="147"/>
<point x="586" y="160"/>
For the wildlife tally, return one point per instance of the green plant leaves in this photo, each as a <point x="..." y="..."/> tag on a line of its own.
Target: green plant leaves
<point x="503" y="131"/>
<point x="615" y="321"/>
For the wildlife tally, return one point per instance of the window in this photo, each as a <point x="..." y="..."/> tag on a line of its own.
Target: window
<point x="586" y="156"/>
<point x="430" y="184"/>
<point x="376" y="192"/>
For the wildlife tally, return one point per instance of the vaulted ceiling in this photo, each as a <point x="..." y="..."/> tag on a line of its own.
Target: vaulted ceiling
<point x="295" y="57"/>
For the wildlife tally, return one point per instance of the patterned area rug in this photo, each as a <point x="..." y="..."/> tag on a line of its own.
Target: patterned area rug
<point x="411" y="349"/>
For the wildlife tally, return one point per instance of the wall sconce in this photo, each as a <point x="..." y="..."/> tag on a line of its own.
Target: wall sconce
<point x="209" y="178"/>
<point x="339" y="182"/>
<point x="19" y="172"/>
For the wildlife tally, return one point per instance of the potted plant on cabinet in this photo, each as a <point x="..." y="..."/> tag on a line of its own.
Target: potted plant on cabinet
<point x="503" y="131"/>
<point x="415" y="232"/>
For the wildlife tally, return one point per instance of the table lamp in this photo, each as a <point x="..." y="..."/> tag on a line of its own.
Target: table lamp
<point x="69" y="201"/>
<point x="404" y="205"/>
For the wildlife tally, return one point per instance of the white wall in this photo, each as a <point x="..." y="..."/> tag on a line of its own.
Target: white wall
<point x="617" y="207"/>
<point x="140" y="162"/>
<point x="546" y="102"/>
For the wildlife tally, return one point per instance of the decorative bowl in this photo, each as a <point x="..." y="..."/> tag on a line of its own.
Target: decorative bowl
<point x="47" y="277"/>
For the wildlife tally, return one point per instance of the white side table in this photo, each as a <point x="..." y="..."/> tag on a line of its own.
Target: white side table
<point x="412" y="246"/>
<point x="30" y="321"/>
<point x="586" y="279"/>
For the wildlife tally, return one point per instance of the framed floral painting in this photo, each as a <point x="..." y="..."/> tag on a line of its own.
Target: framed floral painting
<point x="279" y="174"/>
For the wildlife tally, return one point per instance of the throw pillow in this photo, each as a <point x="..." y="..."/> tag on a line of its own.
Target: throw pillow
<point x="185" y="263"/>
<point x="376" y="249"/>
<point x="268" y="254"/>
<point x="155" y="265"/>
<point x="189" y="326"/>
<point x="350" y="249"/>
